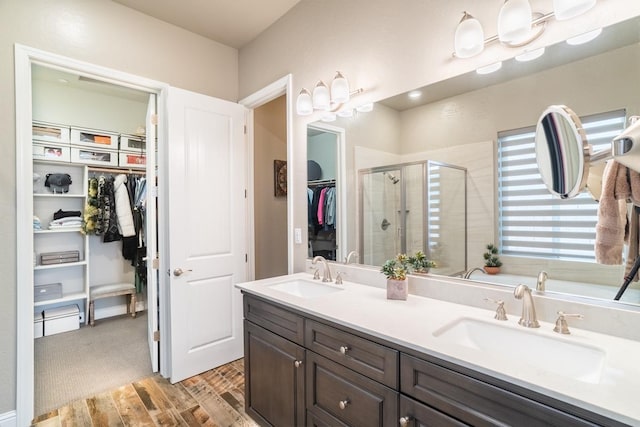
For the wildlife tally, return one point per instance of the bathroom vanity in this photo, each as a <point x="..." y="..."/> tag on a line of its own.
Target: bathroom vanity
<point x="327" y="355"/>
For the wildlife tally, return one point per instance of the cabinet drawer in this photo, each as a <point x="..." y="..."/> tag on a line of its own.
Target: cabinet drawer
<point x="274" y="319"/>
<point x="365" y="402"/>
<point x="416" y="414"/>
<point x="473" y="401"/>
<point x="366" y="357"/>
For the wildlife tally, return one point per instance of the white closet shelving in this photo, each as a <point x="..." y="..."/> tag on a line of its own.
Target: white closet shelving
<point x="73" y="277"/>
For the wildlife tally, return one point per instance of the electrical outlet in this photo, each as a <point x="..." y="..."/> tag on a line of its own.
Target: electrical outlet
<point x="297" y="235"/>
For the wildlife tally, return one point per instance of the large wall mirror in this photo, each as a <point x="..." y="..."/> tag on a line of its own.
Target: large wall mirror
<point x="458" y="121"/>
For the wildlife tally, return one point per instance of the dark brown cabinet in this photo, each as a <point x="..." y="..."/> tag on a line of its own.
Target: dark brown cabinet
<point x="274" y="378"/>
<point x="301" y="370"/>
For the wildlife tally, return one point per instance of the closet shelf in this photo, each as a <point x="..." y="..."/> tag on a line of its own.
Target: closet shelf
<point x="61" y="230"/>
<point x="66" y="298"/>
<point x="63" y="196"/>
<point x="61" y="265"/>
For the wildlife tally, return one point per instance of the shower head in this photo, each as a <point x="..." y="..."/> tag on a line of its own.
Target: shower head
<point x="392" y="177"/>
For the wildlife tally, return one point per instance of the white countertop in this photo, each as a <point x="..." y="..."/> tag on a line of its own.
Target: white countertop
<point x="411" y="324"/>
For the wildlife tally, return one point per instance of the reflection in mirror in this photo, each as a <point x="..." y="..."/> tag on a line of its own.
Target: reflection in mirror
<point x="562" y="151"/>
<point x="457" y="122"/>
<point x="321" y="193"/>
<point x="414" y="207"/>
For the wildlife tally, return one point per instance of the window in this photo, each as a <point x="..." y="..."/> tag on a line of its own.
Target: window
<point x="534" y="223"/>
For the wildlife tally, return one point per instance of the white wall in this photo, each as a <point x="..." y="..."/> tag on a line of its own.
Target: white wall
<point x="104" y="33"/>
<point x="383" y="48"/>
<point x="270" y="212"/>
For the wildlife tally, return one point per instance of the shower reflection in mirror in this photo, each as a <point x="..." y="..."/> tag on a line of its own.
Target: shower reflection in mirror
<point x="410" y="207"/>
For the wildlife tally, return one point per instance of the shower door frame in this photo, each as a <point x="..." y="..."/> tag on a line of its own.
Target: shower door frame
<point x="403" y="203"/>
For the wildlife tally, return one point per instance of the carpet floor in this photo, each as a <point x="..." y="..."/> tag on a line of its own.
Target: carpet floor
<point x="77" y="364"/>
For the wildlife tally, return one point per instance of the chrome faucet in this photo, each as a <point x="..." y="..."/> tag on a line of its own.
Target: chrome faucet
<point x="468" y="273"/>
<point x="326" y="272"/>
<point x="542" y="278"/>
<point x="352" y="254"/>
<point x="528" y="319"/>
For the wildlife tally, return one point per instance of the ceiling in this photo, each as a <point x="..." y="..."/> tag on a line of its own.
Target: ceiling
<point x="230" y="22"/>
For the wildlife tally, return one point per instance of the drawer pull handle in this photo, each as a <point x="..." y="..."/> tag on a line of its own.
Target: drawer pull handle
<point x="404" y="421"/>
<point x="343" y="403"/>
<point x="344" y="349"/>
<point x="297" y="363"/>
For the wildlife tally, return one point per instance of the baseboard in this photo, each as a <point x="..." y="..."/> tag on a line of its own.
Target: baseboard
<point x="8" y="419"/>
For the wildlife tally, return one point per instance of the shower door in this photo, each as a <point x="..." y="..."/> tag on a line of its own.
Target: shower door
<point x="414" y="207"/>
<point x="381" y="221"/>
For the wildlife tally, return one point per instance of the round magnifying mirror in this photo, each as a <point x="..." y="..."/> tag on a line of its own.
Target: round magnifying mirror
<point x="562" y="151"/>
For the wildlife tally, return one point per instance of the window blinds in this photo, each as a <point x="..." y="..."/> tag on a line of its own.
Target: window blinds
<point x="534" y="223"/>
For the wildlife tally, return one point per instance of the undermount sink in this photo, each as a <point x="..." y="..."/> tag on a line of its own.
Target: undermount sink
<point x="305" y="288"/>
<point x="574" y="360"/>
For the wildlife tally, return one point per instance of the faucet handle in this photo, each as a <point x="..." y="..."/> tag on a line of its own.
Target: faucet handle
<point x="316" y="273"/>
<point x="339" y="275"/>
<point x="501" y="313"/>
<point x="561" y="323"/>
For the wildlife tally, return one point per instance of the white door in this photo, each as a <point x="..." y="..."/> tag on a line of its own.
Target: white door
<point x="207" y="244"/>
<point x="151" y="234"/>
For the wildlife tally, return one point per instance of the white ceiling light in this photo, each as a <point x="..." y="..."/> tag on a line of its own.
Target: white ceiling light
<point x="345" y="113"/>
<point x="324" y="99"/>
<point x="365" y="108"/>
<point x="567" y="9"/>
<point x="584" y="38"/>
<point x="414" y="94"/>
<point x="514" y="21"/>
<point x="530" y="55"/>
<point x="469" y="37"/>
<point x="491" y="68"/>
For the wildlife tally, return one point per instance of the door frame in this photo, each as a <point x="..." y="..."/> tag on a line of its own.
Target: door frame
<point x="24" y="57"/>
<point x="282" y="86"/>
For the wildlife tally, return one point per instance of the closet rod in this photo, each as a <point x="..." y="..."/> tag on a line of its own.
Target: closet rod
<point x="117" y="171"/>
<point x="320" y="182"/>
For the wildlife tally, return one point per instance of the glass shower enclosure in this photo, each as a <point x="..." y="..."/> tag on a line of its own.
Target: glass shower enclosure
<point x="410" y="207"/>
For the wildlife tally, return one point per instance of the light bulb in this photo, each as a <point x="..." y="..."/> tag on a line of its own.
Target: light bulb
<point x="339" y="89"/>
<point x="469" y="37"/>
<point x="514" y="21"/>
<point x="304" y="106"/>
<point x="321" y="97"/>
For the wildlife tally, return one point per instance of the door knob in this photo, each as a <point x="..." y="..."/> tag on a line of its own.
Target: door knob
<point x="179" y="272"/>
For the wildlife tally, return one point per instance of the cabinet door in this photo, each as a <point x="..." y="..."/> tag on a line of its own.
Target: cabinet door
<point x="274" y="378"/>
<point x="415" y="414"/>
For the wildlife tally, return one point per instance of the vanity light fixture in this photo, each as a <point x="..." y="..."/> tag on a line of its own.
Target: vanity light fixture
<point x="324" y="99"/>
<point x="517" y="25"/>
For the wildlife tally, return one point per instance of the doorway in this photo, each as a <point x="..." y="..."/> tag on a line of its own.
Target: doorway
<point x="28" y="59"/>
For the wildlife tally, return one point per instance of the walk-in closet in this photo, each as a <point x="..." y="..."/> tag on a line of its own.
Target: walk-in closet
<point x="90" y="222"/>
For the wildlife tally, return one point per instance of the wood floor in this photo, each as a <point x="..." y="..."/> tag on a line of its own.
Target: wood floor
<point x="213" y="398"/>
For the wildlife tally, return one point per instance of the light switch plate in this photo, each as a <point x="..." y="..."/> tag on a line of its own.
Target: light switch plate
<point x="297" y="235"/>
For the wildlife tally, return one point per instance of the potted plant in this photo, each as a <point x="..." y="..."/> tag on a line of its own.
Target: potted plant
<point x="396" y="270"/>
<point x="492" y="262"/>
<point x="420" y="264"/>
